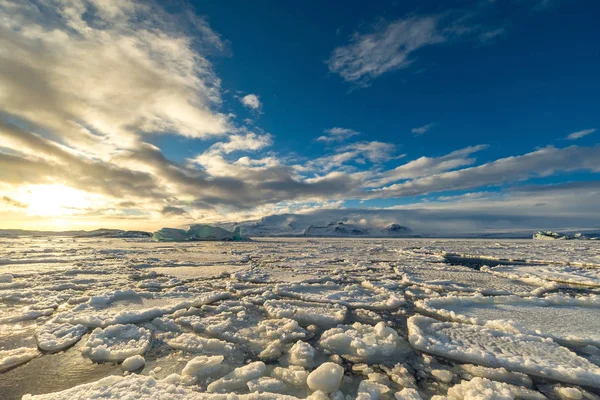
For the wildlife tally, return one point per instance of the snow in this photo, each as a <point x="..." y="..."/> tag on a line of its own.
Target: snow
<point x="117" y="342"/>
<point x="327" y="377"/>
<point x="133" y="363"/>
<point x="364" y="343"/>
<point x="537" y="316"/>
<point x="55" y="337"/>
<point x="529" y="354"/>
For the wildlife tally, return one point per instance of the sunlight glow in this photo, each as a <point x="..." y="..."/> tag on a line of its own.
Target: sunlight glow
<point x="53" y="200"/>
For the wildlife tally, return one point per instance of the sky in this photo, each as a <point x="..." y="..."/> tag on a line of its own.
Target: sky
<point x="139" y="115"/>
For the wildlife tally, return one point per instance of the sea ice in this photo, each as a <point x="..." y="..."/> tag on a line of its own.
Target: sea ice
<point x="133" y="363"/>
<point x="365" y="343"/>
<point x="307" y="313"/>
<point x="578" y="316"/>
<point x="117" y="342"/>
<point x="238" y="378"/>
<point x="327" y="377"/>
<point x="532" y="355"/>
<point x="550" y="273"/>
<point x="14" y="357"/>
<point x="485" y="389"/>
<point x="53" y="337"/>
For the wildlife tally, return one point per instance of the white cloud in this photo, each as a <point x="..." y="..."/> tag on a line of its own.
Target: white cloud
<point x="92" y="70"/>
<point x="251" y="101"/>
<point x="422" y="129"/>
<point x="580" y="134"/>
<point x="337" y="134"/>
<point x="387" y="48"/>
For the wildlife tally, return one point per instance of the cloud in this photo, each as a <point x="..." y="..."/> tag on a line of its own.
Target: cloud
<point x="422" y="129"/>
<point x="337" y="135"/>
<point x="389" y="47"/>
<point x="539" y="163"/>
<point x="251" y="101"/>
<point x="492" y="34"/>
<point x="13" y="203"/>
<point x="580" y="134"/>
<point x="170" y="211"/>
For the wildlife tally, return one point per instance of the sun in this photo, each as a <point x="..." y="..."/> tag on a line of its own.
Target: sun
<point x="53" y="200"/>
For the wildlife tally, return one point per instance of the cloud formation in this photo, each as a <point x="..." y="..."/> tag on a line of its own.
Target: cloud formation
<point x="337" y="135"/>
<point x="422" y="129"/>
<point x="251" y="101"/>
<point x="580" y="134"/>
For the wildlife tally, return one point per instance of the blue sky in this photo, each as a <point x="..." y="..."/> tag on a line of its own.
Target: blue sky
<point x="234" y="110"/>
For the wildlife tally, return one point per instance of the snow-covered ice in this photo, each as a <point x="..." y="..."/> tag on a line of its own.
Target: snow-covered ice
<point x="529" y="354"/>
<point x="578" y="316"/>
<point x="294" y="318"/>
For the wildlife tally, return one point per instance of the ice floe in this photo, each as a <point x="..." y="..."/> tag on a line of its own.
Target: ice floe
<point x="117" y="342"/>
<point x="364" y="343"/>
<point x="529" y="354"/>
<point x="578" y="316"/>
<point x="55" y="337"/>
<point x="14" y="357"/>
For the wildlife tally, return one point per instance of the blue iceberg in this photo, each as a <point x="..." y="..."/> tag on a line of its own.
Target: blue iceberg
<point x="199" y="232"/>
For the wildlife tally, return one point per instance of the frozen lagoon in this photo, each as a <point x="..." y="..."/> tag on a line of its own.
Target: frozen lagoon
<point x="299" y="318"/>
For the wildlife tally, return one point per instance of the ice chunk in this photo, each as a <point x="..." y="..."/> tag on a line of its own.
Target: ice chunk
<point x="294" y="375"/>
<point x="354" y="296"/>
<point x="482" y="388"/>
<point x="327" y="377"/>
<point x="133" y="363"/>
<point x="578" y="316"/>
<point x="494" y="374"/>
<point x="370" y="390"/>
<point x="267" y="384"/>
<point x="117" y="342"/>
<point x="442" y="375"/>
<point x="532" y="355"/>
<point x="195" y="343"/>
<point x="407" y="394"/>
<point x="145" y="388"/>
<point x="202" y="366"/>
<point x="307" y="313"/>
<point x="553" y="273"/>
<point x="302" y="354"/>
<point x="238" y="378"/>
<point x="14" y="357"/>
<point x="197" y="232"/>
<point x="55" y="337"/>
<point x="365" y="343"/>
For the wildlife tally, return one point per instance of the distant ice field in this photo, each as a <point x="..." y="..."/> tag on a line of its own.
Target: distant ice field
<point x="316" y="318"/>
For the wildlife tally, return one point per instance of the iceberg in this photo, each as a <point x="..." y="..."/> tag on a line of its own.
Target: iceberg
<point x="198" y="232"/>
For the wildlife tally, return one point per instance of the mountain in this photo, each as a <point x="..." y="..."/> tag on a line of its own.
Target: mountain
<point x="105" y="233"/>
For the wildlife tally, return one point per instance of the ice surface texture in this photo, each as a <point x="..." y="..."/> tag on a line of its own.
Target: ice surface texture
<point x="523" y="353"/>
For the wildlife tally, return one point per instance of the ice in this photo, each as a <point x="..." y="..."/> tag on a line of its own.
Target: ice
<point x="578" y="316"/>
<point x="239" y="377"/>
<point x="197" y="232"/>
<point x="202" y="366"/>
<point x="532" y="355"/>
<point x="194" y="343"/>
<point x="463" y="279"/>
<point x="364" y="343"/>
<point x="14" y="357"/>
<point x="485" y="389"/>
<point x="55" y="337"/>
<point x="550" y="273"/>
<point x="307" y="313"/>
<point x="354" y="296"/>
<point x="327" y="377"/>
<point x="144" y="388"/>
<point x="200" y="310"/>
<point x="133" y="363"/>
<point x="301" y="354"/>
<point x="117" y="342"/>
